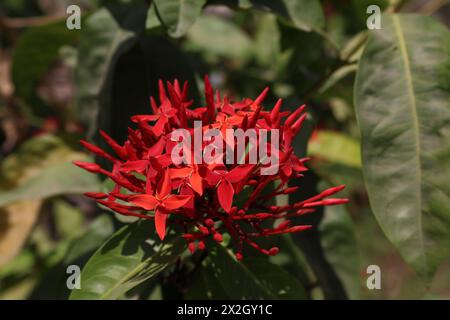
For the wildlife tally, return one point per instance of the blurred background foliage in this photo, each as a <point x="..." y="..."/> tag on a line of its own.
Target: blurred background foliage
<point x="58" y="85"/>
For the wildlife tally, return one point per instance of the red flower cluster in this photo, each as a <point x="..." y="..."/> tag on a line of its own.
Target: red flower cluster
<point x="205" y="199"/>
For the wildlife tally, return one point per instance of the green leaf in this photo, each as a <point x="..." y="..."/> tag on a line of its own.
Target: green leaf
<point x="206" y="286"/>
<point x="61" y="178"/>
<point x="76" y="250"/>
<point x="97" y="232"/>
<point x="402" y="97"/>
<point x="306" y="69"/>
<point x="152" y="21"/>
<point x="41" y="168"/>
<point x="267" y="32"/>
<point x="306" y="15"/>
<point x="335" y="147"/>
<point x="20" y="266"/>
<point x="68" y="219"/>
<point x="253" y="279"/>
<point x="218" y="37"/>
<point x="126" y="260"/>
<point x="119" y="68"/>
<point x="34" y="154"/>
<point x="337" y="76"/>
<point x="105" y="36"/>
<point x="135" y="79"/>
<point x="178" y="15"/>
<point x="339" y="245"/>
<point x="279" y="282"/>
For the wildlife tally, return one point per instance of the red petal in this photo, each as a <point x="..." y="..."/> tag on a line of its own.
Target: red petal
<point x="239" y="173"/>
<point x="174" y="95"/>
<point x="162" y="91"/>
<point x="186" y="190"/>
<point x="163" y="160"/>
<point x="153" y="105"/>
<point x="261" y="97"/>
<point x="275" y="113"/>
<point x="166" y="186"/>
<point x="225" y="194"/>
<point x="157" y="148"/>
<point x="327" y="202"/>
<point x="144" y="117"/>
<point x="184" y="92"/>
<point x="175" y="201"/>
<point x="159" y="126"/>
<point x="97" y="151"/>
<point x="196" y="182"/>
<point x="145" y="201"/>
<point x="114" y="145"/>
<point x="138" y="166"/>
<point x="212" y="177"/>
<point x="91" y="167"/>
<point x="297" y="165"/>
<point x="180" y="172"/>
<point x="294" y="115"/>
<point x="96" y="195"/>
<point x="209" y="95"/>
<point x="160" y="223"/>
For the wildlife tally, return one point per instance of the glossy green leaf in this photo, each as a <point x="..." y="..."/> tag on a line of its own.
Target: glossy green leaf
<point x="126" y="260"/>
<point x="402" y="97"/>
<point x="253" y="279"/>
<point x="178" y="15"/>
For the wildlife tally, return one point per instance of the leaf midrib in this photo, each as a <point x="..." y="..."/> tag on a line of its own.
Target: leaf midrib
<point x="134" y="271"/>
<point x="127" y="276"/>
<point x="416" y="125"/>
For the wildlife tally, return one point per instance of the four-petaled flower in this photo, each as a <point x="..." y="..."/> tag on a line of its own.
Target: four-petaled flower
<point x="163" y="202"/>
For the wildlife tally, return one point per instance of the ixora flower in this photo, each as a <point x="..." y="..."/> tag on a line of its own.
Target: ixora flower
<point x="206" y="199"/>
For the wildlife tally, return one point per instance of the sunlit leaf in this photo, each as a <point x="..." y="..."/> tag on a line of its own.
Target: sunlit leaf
<point x="126" y="260"/>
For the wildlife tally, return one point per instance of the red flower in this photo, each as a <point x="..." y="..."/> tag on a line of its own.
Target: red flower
<point x="204" y="199"/>
<point x="163" y="202"/>
<point x="224" y="181"/>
